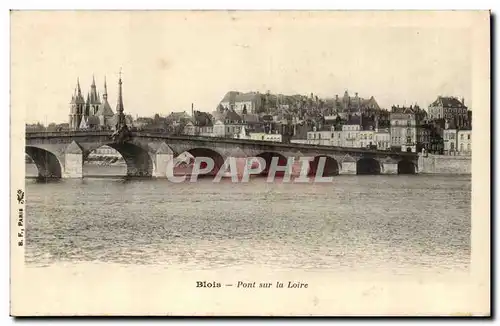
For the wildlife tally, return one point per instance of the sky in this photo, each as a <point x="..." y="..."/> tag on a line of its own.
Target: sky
<point x="172" y="59"/>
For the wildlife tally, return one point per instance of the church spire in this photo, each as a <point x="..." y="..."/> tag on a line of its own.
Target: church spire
<point x="105" y="94"/>
<point x="93" y="80"/>
<point x="78" y="86"/>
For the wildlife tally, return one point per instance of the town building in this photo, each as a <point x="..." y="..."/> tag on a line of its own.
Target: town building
<point x="404" y="124"/>
<point x="464" y="141"/>
<point x="457" y="141"/>
<point x="450" y="141"/>
<point x="241" y="103"/>
<point x="353" y="104"/>
<point x="320" y="136"/>
<point x="350" y="133"/>
<point x="260" y="136"/>
<point x="382" y="139"/>
<point x="228" y="124"/>
<point x="201" y="124"/>
<point x="451" y="109"/>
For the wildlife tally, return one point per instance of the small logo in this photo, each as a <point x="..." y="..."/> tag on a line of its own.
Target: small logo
<point x="20" y="196"/>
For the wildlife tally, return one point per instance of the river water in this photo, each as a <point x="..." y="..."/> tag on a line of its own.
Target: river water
<point x="356" y="223"/>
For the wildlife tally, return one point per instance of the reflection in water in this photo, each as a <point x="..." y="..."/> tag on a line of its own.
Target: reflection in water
<point x="359" y="223"/>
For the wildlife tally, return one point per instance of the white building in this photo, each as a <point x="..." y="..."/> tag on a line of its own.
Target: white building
<point x="262" y="136"/>
<point x="383" y="139"/>
<point x="464" y="141"/>
<point x="457" y="142"/>
<point x="241" y="103"/>
<point x="350" y="135"/>
<point x="323" y="137"/>
<point x="366" y="138"/>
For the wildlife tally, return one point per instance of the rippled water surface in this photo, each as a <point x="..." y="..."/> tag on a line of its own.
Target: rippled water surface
<point x="355" y="223"/>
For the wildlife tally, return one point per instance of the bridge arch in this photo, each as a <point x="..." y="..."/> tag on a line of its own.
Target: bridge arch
<point x="331" y="166"/>
<point x="368" y="165"/>
<point x="137" y="159"/>
<point x="268" y="157"/>
<point x="207" y="152"/>
<point x="47" y="163"/>
<point x="406" y="167"/>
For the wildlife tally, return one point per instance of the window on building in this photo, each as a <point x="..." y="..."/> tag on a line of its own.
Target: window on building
<point x="461" y="147"/>
<point x="462" y="137"/>
<point x="468" y="147"/>
<point x="468" y="136"/>
<point x="319" y="136"/>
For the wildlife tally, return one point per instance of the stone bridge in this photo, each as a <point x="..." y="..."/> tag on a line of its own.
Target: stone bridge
<point x="61" y="154"/>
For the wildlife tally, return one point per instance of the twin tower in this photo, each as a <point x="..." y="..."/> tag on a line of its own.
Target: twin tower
<point x="94" y="114"/>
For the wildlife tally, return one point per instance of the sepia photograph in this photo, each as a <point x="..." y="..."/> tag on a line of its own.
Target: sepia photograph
<point x="264" y="163"/>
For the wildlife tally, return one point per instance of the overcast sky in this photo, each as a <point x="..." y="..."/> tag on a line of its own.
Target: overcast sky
<point x="172" y="59"/>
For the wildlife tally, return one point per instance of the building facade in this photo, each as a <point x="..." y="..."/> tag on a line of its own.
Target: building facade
<point x="241" y="103"/>
<point x="464" y="141"/>
<point x="382" y="139"/>
<point x="451" y="109"/>
<point x="405" y="122"/>
<point x="457" y="141"/>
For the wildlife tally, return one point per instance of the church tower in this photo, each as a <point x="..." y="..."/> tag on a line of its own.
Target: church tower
<point x="95" y="102"/>
<point x="105" y="113"/>
<point x="77" y="107"/>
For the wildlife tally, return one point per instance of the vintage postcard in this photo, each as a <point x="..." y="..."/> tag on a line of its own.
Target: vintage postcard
<point x="250" y="163"/>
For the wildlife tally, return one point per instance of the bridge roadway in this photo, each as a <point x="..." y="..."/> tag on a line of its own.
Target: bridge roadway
<point x="61" y="154"/>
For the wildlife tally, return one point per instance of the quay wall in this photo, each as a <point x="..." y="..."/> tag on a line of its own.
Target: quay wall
<point x="444" y="164"/>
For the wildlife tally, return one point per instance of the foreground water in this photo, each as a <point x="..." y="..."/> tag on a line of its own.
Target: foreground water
<point x="357" y="223"/>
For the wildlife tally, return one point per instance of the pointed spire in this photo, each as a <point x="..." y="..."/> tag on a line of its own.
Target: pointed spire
<point x="119" y="104"/>
<point x="105" y="94"/>
<point x="93" y="80"/>
<point x="78" y="86"/>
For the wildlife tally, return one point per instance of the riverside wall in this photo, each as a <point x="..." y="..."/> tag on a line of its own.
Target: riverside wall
<point x="444" y="164"/>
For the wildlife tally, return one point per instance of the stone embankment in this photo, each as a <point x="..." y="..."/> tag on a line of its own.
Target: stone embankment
<point x="444" y="164"/>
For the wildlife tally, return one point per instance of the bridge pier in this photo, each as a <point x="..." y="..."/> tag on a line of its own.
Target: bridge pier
<point x="347" y="168"/>
<point x="73" y="161"/>
<point x="164" y="155"/>
<point x="348" y="165"/>
<point x="389" y="168"/>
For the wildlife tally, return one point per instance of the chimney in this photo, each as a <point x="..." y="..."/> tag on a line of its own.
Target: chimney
<point x="463" y="101"/>
<point x="192" y="110"/>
